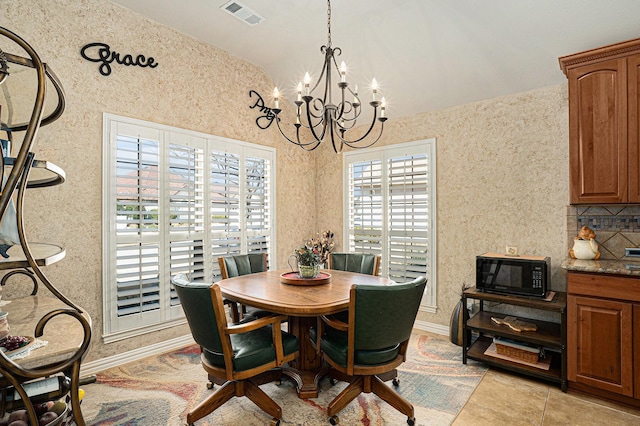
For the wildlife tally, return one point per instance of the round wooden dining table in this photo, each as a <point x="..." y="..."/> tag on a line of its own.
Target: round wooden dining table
<point x="302" y="303"/>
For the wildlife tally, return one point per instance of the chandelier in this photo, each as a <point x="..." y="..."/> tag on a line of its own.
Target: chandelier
<point x="321" y="116"/>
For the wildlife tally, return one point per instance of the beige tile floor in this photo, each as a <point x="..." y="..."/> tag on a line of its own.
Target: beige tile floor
<point x="504" y="398"/>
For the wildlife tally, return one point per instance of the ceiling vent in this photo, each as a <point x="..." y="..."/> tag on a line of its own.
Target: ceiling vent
<point x="242" y="12"/>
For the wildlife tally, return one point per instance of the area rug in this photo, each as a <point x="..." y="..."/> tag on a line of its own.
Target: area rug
<point x="159" y="391"/>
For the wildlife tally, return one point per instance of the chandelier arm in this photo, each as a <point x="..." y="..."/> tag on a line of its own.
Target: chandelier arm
<point x="350" y="144"/>
<point x="320" y="109"/>
<point x="302" y="145"/>
<point x="333" y="139"/>
<point x="312" y="128"/>
<point x="326" y="50"/>
<point x="373" y="123"/>
<point x="356" y="114"/>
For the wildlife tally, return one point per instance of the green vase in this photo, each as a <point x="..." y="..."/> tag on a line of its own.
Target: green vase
<point x="309" y="271"/>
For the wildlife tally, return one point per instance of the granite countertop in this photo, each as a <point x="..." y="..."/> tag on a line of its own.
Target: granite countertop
<point x="619" y="267"/>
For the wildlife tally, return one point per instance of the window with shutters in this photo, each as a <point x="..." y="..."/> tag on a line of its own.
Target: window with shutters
<point x="174" y="201"/>
<point x="390" y="210"/>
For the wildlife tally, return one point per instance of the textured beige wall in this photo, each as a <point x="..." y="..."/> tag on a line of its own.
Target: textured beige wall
<point x="502" y="163"/>
<point x="502" y="179"/>
<point x="195" y="86"/>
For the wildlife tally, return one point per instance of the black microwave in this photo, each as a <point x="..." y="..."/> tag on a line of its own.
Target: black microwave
<point x="518" y="275"/>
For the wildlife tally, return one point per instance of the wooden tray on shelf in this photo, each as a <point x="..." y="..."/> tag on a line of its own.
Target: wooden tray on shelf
<point x="293" y="278"/>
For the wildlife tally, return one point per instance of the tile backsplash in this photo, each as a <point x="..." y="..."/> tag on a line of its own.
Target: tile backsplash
<point x="616" y="227"/>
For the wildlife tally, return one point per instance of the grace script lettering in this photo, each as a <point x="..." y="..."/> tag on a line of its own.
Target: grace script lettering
<point x="101" y="52"/>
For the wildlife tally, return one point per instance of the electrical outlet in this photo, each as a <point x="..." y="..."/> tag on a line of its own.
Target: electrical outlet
<point x="511" y="251"/>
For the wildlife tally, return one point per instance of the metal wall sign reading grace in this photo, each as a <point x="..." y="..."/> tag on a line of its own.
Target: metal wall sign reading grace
<point x="264" y="121"/>
<point x="101" y="52"/>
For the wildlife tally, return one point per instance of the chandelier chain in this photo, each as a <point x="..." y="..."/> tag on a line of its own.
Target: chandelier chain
<point x="328" y="23"/>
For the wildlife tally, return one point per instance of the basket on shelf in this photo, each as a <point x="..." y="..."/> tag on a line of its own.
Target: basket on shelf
<point x="516" y="350"/>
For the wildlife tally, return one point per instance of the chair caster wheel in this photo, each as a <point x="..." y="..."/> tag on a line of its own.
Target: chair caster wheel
<point x="275" y="422"/>
<point x="209" y="385"/>
<point x="411" y="421"/>
<point x="332" y="381"/>
<point x="278" y="382"/>
<point x="334" y="420"/>
<point x="396" y="382"/>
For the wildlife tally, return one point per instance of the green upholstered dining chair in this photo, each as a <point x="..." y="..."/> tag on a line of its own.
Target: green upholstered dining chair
<point x="241" y="356"/>
<point x="362" y="263"/>
<point x="242" y="264"/>
<point x="373" y="342"/>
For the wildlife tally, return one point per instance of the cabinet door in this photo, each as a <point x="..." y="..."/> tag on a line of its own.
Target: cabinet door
<point x="598" y="132"/>
<point x="600" y="344"/>
<point x="633" y="85"/>
<point x="636" y="350"/>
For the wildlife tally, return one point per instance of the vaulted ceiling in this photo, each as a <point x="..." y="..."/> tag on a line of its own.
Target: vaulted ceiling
<point x="426" y="54"/>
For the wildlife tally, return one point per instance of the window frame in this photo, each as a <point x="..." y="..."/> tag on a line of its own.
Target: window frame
<point x="384" y="154"/>
<point x="117" y="328"/>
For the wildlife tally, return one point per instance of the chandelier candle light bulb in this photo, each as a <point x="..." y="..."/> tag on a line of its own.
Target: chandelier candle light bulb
<point x="383" y="105"/>
<point x="343" y="72"/>
<point x="374" y="89"/>
<point x="276" y="96"/>
<point x="307" y="81"/>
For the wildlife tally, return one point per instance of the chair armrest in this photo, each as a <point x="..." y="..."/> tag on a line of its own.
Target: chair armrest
<point x="276" y="336"/>
<point x="335" y="323"/>
<point x="255" y="324"/>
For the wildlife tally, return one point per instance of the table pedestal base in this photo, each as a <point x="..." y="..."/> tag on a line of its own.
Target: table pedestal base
<point x="307" y="369"/>
<point x="306" y="381"/>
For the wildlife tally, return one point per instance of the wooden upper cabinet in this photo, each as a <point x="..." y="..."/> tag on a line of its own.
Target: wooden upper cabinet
<point x="604" y="152"/>
<point x="598" y="132"/>
<point x="633" y="85"/>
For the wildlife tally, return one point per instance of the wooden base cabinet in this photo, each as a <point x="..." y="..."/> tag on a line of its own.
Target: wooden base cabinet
<point x="636" y="350"/>
<point x="603" y="333"/>
<point x="600" y="348"/>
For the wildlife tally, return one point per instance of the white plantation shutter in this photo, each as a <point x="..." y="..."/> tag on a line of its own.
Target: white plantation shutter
<point x="408" y="199"/>
<point x="225" y="206"/>
<point x="258" y="204"/>
<point x="390" y="210"/>
<point x="185" y="194"/>
<point x="137" y="201"/>
<point x="175" y="201"/>
<point x="365" y="206"/>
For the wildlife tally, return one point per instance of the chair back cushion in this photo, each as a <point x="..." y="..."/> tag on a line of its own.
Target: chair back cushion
<point x="362" y="263"/>
<point x="384" y="315"/>
<point x="243" y="264"/>
<point x="198" y="308"/>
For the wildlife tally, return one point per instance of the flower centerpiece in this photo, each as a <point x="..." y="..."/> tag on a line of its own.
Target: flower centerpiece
<point x="308" y="259"/>
<point x="314" y="253"/>
<point x="323" y="244"/>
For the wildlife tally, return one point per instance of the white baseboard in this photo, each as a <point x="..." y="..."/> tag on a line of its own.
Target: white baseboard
<point x="431" y="327"/>
<point x="93" y="367"/>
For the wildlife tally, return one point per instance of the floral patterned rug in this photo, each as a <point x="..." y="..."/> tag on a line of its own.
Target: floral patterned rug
<point x="160" y="390"/>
